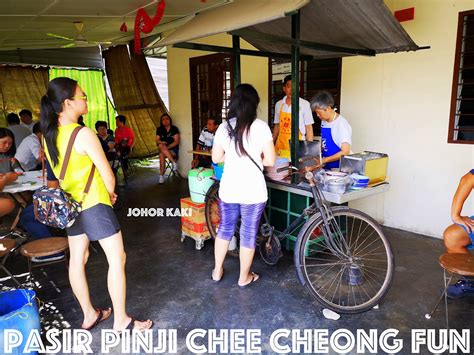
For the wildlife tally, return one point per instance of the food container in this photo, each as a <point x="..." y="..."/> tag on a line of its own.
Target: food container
<point x="334" y="182"/>
<point x="278" y="172"/>
<point x="337" y="186"/>
<point x="359" y="181"/>
<point x="371" y="164"/>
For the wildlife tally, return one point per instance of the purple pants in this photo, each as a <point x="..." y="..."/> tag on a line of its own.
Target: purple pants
<point x="250" y="222"/>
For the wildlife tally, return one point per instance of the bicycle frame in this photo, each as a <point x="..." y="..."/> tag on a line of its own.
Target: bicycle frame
<point x="318" y="207"/>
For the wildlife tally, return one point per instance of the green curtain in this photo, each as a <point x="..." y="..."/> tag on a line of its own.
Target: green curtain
<point x="91" y="81"/>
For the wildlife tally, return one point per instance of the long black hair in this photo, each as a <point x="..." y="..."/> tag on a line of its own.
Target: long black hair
<point x="59" y="89"/>
<point x="5" y="132"/>
<point x="243" y="106"/>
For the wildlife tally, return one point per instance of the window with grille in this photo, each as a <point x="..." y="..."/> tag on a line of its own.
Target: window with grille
<point x="461" y="120"/>
<point x="212" y="82"/>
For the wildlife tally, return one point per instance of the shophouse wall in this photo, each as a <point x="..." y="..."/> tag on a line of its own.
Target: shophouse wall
<point x="399" y="104"/>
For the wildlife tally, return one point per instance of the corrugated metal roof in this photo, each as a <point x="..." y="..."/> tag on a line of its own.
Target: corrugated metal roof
<point x="357" y="24"/>
<point x="87" y="57"/>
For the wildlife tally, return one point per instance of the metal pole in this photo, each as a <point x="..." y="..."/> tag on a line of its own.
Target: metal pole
<point x="237" y="69"/>
<point x="295" y="84"/>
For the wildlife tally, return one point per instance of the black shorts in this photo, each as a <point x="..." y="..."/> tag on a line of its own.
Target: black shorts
<point x="97" y="222"/>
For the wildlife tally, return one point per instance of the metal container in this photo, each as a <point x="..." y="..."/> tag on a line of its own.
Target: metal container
<point x="337" y="186"/>
<point x="371" y="164"/>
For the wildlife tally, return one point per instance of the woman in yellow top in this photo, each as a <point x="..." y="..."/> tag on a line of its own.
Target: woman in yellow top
<point x="61" y="107"/>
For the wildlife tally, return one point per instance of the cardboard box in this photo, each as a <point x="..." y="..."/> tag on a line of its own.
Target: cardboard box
<point x="194" y="224"/>
<point x="197" y="211"/>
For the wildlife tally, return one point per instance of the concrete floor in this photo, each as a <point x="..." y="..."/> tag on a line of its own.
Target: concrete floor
<point x="169" y="282"/>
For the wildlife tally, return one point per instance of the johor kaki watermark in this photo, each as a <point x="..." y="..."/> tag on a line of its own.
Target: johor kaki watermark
<point x="159" y="212"/>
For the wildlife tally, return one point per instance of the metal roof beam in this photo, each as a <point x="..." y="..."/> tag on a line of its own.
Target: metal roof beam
<point x="244" y="33"/>
<point x="221" y="49"/>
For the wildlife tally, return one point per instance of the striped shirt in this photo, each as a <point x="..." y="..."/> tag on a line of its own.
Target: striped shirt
<point x="206" y="139"/>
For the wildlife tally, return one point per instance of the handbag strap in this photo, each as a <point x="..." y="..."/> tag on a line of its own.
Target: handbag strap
<point x="67" y="156"/>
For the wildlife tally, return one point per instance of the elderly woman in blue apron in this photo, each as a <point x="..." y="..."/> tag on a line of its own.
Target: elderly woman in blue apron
<point x="336" y="132"/>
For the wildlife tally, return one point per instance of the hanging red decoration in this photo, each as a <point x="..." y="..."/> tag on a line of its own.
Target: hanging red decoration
<point x="123" y="28"/>
<point x="145" y="24"/>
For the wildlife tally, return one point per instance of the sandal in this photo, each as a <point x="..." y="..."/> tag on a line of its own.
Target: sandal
<point x="255" y="278"/>
<point x="100" y="317"/>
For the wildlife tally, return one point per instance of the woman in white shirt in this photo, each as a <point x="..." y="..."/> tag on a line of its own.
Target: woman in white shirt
<point x="244" y="143"/>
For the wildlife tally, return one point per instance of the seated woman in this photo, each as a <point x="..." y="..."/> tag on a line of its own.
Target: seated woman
<point x="8" y="163"/>
<point x="105" y="138"/>
<point x="459" y="237"/>
<point x="167" y="139"/>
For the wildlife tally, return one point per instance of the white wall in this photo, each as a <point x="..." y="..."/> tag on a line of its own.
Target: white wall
<point x="254" y="71"/>
<point x="159" y="72"/>
<point x="399" y="104"/>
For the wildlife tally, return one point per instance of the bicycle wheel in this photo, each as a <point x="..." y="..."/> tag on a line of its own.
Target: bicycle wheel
<point x="351" y="271"/>
<point x="213" y="214"/>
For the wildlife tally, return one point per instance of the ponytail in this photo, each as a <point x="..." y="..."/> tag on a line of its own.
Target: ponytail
<point x="59" y="89"/>
<point x="49" y="127"/>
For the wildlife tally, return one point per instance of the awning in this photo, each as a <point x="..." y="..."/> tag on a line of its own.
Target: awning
<point x="356" y="25"/>
<point x="233" y="16"/>
<point x="80" y="57"/>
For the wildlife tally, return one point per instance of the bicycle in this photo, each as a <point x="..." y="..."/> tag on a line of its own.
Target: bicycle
<point x="341" y="255"/>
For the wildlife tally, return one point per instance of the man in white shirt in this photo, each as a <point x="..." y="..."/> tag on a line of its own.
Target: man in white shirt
<point x="28" y="153"/>
<point x="282" y="121"/>
<point x="19" y="132"/>
<point x="27" y="119"/>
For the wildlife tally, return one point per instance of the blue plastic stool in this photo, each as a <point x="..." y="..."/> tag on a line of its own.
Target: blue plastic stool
<point x="19" y="310"/>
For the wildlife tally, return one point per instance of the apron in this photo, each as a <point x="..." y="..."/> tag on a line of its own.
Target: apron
<point x="282" y="145"/>
<point x="329" y="147"/>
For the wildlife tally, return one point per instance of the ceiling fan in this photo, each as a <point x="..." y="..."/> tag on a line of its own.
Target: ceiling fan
<point x="79" y="40"/>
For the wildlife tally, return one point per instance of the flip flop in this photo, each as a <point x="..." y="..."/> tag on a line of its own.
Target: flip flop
<point x="255" y="278"/>
<point x="131" y="325"/>
<point x="101" y="317"/>
<point x="216" y="281"/>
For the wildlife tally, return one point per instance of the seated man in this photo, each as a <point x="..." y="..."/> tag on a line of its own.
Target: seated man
<point x="26" y="118"/>
<point x="459" y="237"/>
<point x="124" y="139"/>
<point x="19" y="132"/>
<point x="29" y="152"/>
<point x="204" y="143"/>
